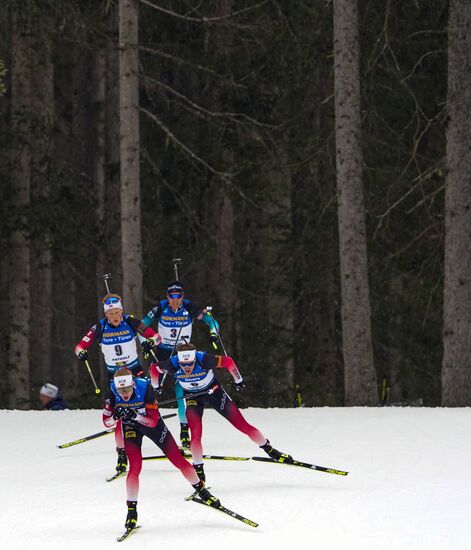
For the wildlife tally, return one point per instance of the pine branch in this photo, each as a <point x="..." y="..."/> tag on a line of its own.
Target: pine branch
<point x="181" y="61"/>
<point x="220" y="114"/>
<point x="226" y="177"/>
<point x="202" y="19"/>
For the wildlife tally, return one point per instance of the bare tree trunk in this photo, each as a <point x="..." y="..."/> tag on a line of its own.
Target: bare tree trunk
<point x="456" y="368"/>
<point x="4" y="335"/>
<point x="130" y="155"/>
<point x="41" y="260"/>
<point x="113" y="216"/>
<point x="19" y="264"/>
<point x="278" y="274"/>
<point x="223" y="272"/>
<point x="99" y="177"/>
<point x="360" y="376"/>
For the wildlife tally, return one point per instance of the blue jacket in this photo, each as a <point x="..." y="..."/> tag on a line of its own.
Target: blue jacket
<point x="57" y="404"/>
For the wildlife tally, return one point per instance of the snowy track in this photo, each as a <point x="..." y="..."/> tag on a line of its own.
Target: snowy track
<point x="409" y="486"/>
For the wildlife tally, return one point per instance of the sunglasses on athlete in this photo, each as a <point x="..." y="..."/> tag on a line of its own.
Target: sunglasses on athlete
<point x="128" y="389"/>
<point x="112" y="300"/>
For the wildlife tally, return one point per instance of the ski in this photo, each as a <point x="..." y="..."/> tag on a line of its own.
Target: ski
<point x="116" y="475"/>
<point x="100" y="434"/>
<point x="206" y="457"/>
<point x="195" y="494"/>
<point x="224" y="510"/>
<point x="302" y="465"/>
<point x="223" y="457"/>
<point x="129" y="531"/>
<point x="86" y="438"/>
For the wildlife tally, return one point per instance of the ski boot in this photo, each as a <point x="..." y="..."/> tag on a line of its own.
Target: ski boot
<point x="276" y="455"/>
<point x="131" y="519"/>
<point x="199" y="469"/>
<point x="206" y="496"/>
<point x="122" y="461"/>
<point x="185" y="436"/>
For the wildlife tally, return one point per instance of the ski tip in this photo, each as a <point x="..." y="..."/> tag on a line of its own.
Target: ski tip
<point x="128" y="533"/>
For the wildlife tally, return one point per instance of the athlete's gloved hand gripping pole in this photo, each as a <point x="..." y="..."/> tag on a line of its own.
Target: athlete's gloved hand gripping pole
<point x="159" y="389"/>
<point x="215" y="334"/>
<point x="230" y="365"/>
<point x="83" y="356"/>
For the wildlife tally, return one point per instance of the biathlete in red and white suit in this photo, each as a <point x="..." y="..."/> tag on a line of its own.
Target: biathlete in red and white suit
<point x="116" y="333"/>
<point x="132" y="401"/>
<point x="194" y="371"/>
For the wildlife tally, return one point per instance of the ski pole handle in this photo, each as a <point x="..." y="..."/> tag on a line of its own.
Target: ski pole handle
<point x="176" y="263"/>
<point x="97" y="389"/>
<point x="106" y="277"/>
<point x="209" y="312"/>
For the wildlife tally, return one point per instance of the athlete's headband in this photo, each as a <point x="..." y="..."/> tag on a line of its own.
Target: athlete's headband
<point x="124" y="381"/>
<point x="112" y="303"/>
<point x="187" y="356"/>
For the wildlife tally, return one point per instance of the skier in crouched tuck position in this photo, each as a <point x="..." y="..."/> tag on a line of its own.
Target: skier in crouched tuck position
<point x="194" y="371"/>
<point x="132" y="401"/>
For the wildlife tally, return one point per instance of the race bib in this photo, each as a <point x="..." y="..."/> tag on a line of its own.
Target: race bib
<point x="170" y="334"/>
<point x="121" y="353"/>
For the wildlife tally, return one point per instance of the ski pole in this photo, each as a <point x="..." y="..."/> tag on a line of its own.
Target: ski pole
<point x="178" y="336"/>
<point x="209" y="310"/>
<point x="176" y="263"/>
<point x="97" y="389"/>
<point x="100" y="434"/>
<point x="106" y="277"/>
<point x="167" y="401"/>
<point x="86" y="438"/>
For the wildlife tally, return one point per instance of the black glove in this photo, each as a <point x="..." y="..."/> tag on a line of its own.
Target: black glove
<point x="126" y="414"/>
<point x="147" y="345"/>
<point x="213" y="338"/>
<point x="82" y="355"/>
<point x="240" y="385"/>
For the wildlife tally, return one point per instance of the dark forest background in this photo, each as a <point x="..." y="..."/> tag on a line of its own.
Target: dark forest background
<point x="238" y="178"/>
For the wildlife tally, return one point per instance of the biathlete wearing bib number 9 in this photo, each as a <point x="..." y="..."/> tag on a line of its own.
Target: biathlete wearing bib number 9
<point x="116" y="333"/>
<point x="118" y="343"/>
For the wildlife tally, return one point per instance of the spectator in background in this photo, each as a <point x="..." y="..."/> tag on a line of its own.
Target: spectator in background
<point x="51" y="399"/>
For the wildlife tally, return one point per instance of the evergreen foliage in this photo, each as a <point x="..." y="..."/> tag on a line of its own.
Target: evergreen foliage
<point x="240" y="109"/>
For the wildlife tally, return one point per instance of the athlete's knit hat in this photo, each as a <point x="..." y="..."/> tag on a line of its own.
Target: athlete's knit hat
<point x="175" y="287"/>
<point x="49" y="390"/>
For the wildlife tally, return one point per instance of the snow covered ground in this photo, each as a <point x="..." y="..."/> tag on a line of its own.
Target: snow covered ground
<point x="409" y="486"/>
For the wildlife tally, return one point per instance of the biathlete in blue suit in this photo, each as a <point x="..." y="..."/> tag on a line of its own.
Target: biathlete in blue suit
<point x="174" y="318"/>
<point x="116" y="334"/>
<point x="132" y="402"/>
<point x="194" y="371"/>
